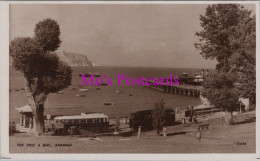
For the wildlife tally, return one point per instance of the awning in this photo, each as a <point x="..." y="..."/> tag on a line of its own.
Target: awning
<point x="26" y="108"/>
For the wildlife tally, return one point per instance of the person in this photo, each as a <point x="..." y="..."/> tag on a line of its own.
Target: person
<point x="198" y="135"/>
<point x="195" y="119"/>
<point x="71" y="131"/>
<point x="31" y="123"/>
<point x="183" y="121"/>
<point x="117" y="123"/>
<point x="207" y="73"/>
<point x="202" y="73"/>
<point x="116" y="133"/>
<point x="139" y="132"/>
<point x="164" y="131"/>
<point x="191" y="118"/>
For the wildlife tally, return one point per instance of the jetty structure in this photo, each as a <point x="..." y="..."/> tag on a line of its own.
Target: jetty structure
<point x="182" y="89"/>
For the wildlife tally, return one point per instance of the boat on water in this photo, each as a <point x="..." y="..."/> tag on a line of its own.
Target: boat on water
<point x="85" y="123"/>
<point x="104" y="84"/>
<point x="80" y="95"/>
<point x="60" y="92"/>
<point x="83" y="90"/>
<point x="88" y="74"/>
<point x="119" y="92"/>
<point x="196" y="79"/>
<point x="96" y="75"/>
<point x="108" y="103"/>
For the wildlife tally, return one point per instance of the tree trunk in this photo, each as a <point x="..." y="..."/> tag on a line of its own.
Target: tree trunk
<point x="228" y="117"/>
<point x="36" y="109"/>
<point x="39" y="120"/>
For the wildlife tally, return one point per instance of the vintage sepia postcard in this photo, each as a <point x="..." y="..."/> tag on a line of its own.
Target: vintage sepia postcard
<point x="130" y="80"/>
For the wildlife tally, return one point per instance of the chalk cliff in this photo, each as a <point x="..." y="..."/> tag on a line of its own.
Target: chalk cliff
<point x="74" y="59"/>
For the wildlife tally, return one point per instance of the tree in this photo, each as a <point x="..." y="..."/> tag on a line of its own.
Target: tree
<point x="218" y="23"/>
<point x="47" y="35"/>
<point x="43" y="71"/>
<point x="243" y="42"/>
<point x="220" y="89"/>
<point x="228" y="34"/>
<point x="159" y="116"/>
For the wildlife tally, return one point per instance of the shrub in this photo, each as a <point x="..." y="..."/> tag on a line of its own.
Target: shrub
<point x="12" y="128"/>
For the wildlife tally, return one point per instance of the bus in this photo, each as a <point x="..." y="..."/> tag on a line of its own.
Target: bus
<point x="83" y="123"/>
<point x="145" y="120"/>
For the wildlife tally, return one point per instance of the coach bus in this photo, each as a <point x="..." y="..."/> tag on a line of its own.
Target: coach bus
<point x="84" y="123"/>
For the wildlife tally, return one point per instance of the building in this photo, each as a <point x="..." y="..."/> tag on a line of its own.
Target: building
<point x="27" y="119"/>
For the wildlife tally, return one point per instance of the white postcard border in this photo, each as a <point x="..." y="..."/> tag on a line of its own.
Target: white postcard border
<point x="4" y="93"/>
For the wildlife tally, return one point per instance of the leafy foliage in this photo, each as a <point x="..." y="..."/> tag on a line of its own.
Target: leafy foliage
<point x="24" y="51"/>
<point x="12" y="128"/>
<point x="220" y="89"/>
<point x="47" y="35"/>
<point x="243" y="60"/>
<point x="228" y="36"/>
<point x="47" y="74"/>
<point x="218" y="24"/>
<point x="44" y="72"/>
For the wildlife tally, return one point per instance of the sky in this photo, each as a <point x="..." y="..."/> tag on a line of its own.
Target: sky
<point x="138" y="35"/>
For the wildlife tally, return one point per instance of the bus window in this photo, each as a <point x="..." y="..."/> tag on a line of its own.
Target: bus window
<point x="69" y="121"/>
<point x="101" y="120"/>
<point x="90" y="120"/>
<point x="95" y="120"/>
<point x="76" y="121"/>
<point x="82" y="120"/>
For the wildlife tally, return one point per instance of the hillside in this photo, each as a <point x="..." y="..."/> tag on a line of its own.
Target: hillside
<point x="74" y="59"/>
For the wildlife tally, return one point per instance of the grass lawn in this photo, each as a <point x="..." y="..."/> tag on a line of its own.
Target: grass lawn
<point x="239" y="138"/>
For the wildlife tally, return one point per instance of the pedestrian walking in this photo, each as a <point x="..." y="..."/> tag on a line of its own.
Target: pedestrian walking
<point x="139" y="132"/>
<point x="116" y="133"/>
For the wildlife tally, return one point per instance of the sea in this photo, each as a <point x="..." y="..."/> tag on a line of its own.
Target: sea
<point x="122" y="104"/>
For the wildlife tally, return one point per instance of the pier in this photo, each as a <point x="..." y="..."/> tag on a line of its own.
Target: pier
<point x="187" y="90"/>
